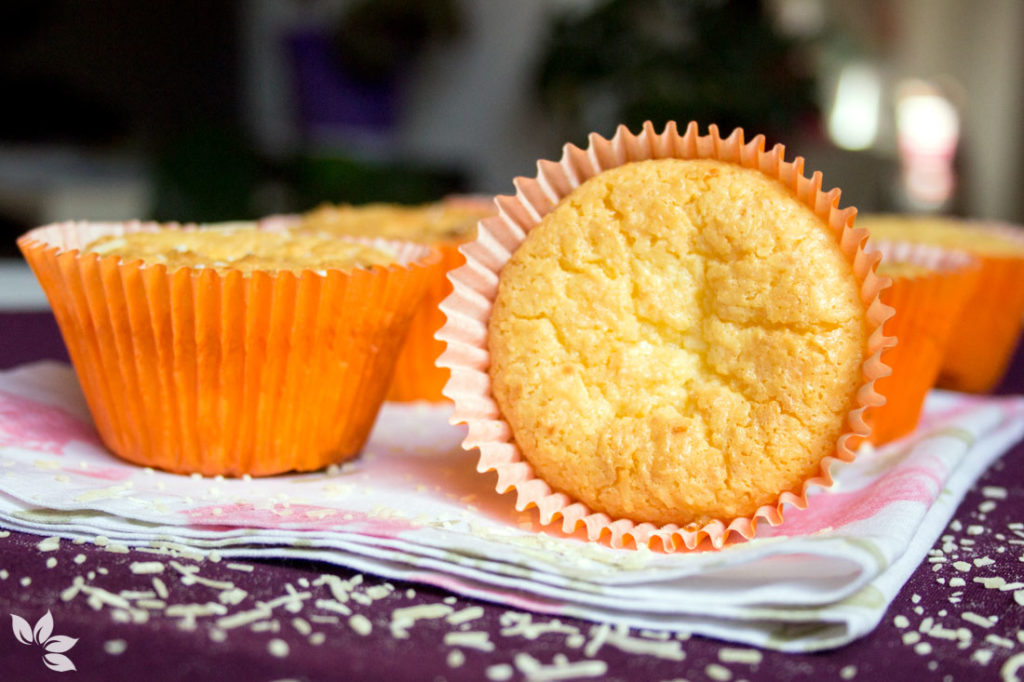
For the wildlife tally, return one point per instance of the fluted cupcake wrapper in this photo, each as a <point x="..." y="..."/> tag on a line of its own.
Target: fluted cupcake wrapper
<point x="927" y="309"/>
<point x="417" y="376"/>
<point x="475" y="286"/>
<point x="992" y="320"/>
<point x="193" y="370"/>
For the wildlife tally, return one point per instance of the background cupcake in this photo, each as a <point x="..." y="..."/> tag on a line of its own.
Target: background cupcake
<point x="990" y="323"/>
<point x="446" y="225"/>
<point x="930" y="286"/>
<point x="230" y="351"/>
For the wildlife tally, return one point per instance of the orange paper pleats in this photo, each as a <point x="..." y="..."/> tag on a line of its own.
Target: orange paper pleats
<point x="927" y="308"/>
<point x="198" y="371"/>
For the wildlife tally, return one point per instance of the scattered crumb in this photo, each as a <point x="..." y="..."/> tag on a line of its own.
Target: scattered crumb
<point x="472" y="640"/>
<point x="974" y="618"/>
<point x="360" y="624"/>
<point x="302" y="626"/>
<point x="734" y="655"/>
<point x="718" y="672"/>
<point x="50" y="544"/>
<point x="982" y="656"/>
<point x="404" y="618"/>
<point x="499" y="673"/>
<point x="455" y="658"/>
<point x="999" y="641"/>
<point x="465" y="615"/>
<point x="115" y="647"/>
<point x="278" y="647"/>
<point x="161" y="588"/>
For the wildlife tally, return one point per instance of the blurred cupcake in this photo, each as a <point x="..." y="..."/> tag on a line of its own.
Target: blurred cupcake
<point x="228" y="351"/>
<point x="930" y="286"/>
<point x="665" y="338"/>
<point x="446" y="224"/>
<point x="992" y="318"/>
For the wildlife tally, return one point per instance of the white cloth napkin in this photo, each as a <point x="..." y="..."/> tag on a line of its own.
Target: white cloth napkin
<point x="412" y="507"/>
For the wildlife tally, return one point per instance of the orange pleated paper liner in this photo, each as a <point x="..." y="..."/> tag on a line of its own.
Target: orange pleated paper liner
<point x="197" y="371"/>
<point x="476" y="284"/>
<point x="927" y="307"/>
<point x="417" y="376"/>
<point x="991" y="322"/>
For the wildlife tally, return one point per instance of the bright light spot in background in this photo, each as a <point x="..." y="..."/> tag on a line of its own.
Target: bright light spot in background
<point x="927" y="123"/>
<point x="799" y="18"/>
<point x="853" y="121"/>
<point x="928" y="130"/>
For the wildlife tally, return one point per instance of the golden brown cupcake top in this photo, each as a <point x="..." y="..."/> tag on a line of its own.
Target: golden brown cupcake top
<point x="452" y="219"/>
<point x="941" y="231"/>
<point x="903" y="269"/>
<point x="677" y="341"/>
<point x="239" y="246"/>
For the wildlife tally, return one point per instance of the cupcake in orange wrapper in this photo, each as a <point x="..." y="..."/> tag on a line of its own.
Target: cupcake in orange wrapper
<point x="445" y="224"/>
<point x="976" y="360"/>
<point x="665" y="338"/>
<point x="930" y="287"/>
<point x="229" y="351"/>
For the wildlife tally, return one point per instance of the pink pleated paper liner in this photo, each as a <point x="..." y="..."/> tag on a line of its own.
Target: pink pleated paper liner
<point x="475" y="287"/>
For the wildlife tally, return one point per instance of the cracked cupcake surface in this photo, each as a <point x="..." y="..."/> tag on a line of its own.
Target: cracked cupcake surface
<point x="239" y="246"/>
<point x="677" y="341"/>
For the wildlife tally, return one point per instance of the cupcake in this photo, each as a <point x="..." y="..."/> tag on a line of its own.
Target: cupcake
<point x="665" y="338"/>
<point x="992" y="318"/>
<point x="453" y="219"/>
<point x="239" y="246"/>
<point x="228" y="351"/>
<point x="446" y="224"/>
<point x="930" y="287"/>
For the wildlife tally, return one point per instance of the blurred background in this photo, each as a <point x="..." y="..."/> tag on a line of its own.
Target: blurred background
<point x="209" y="110"/>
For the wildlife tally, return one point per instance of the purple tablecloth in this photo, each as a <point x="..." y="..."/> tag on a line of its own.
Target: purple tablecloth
<point x="959" y="616"/>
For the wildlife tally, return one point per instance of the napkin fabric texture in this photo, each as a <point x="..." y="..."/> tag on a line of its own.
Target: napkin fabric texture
<point x="412" y="507"/>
